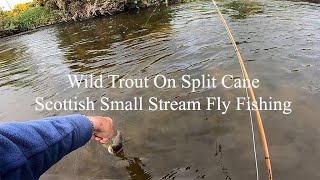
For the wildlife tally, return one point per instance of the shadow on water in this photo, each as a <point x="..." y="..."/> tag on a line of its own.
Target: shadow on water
<point x="96" y="40"/>
<point x="135" y="167"/>
<point x="243" y="9"/>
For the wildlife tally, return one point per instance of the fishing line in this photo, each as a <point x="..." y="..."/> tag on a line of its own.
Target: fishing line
<point x="257" y="112"/>
<point x="150" y="17"/>
<point x="253" y="134"/>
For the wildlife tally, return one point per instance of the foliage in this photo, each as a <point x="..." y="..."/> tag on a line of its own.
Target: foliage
<point x="19" y="8"/>
<point x="40" y="2"/>
<point x="34" y="17"/>
<point x="29" y="16"/>
<point x="25" y="17"/>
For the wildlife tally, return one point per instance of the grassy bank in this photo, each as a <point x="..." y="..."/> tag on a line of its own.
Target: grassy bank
<point x="26" y="17"/>
<point x="27" y="20"/>
<point x="39" y="13"/>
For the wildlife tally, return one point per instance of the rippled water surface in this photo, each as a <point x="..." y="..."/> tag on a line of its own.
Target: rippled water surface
<point x="279" y="40"/>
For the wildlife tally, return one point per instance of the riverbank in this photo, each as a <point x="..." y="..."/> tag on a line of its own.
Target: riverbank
<point x="44" y="13"/>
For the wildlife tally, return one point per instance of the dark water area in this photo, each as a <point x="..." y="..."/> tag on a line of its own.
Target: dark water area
<point x="279" y="40"/>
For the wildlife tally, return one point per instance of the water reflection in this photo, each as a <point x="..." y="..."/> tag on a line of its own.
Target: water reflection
<point x="243" y="8"/>
<point x="12" y="73"/>
<point x="135" y="167"/>
<point x="281" y="47"/>
<point x="88" y="43"/>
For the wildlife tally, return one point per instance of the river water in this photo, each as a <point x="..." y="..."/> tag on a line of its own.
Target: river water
<point x="279" y="40"/>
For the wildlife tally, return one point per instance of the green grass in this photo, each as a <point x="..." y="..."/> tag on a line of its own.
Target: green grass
<point x="33" y="18"/>
<point x="27" y="20"/>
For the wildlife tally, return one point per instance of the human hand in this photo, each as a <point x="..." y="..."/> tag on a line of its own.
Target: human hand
<point x="102" y="128"/>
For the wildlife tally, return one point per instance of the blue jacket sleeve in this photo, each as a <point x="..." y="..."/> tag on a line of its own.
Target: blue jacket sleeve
<point x="28" y="149"/>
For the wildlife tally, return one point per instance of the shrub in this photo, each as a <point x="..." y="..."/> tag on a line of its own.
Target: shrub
<point x="33" y="17"/>
<point x="26" y="19"/>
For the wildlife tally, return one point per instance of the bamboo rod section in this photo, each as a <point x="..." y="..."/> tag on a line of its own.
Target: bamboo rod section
<point x="251" y="92"/>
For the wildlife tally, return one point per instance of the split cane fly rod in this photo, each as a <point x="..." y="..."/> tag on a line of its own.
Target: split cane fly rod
<point x="257" y="112"/>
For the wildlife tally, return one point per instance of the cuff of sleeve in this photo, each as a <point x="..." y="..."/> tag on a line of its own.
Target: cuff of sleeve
<point x="83" y="127"/>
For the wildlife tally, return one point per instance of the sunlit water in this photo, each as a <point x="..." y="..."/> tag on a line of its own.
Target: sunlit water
<point x="279" y="40"/>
